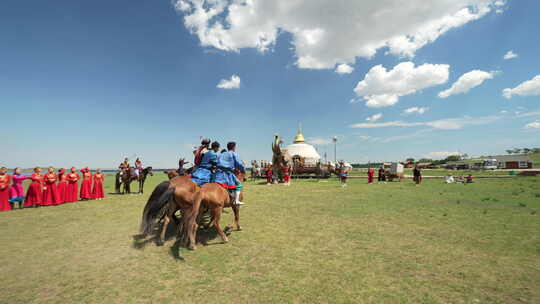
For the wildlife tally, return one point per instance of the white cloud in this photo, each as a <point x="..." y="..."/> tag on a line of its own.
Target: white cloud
<point x="499" y="3"/>
<point x="382" y="88"/>
<point x="440" y="155"/>
<point x="344" y="69"/>
<point x="526" y="88"/>
<point x="233" y="83"/>
<point x="320" y="141"/>
<point x="533" y="125"/>
<point x="528" y="114"/>
<point x="375" y="117"/>
<point x="347" y="29"/>
<point x="466" y="82"/>
<point x="418" y="110"/>
<point x="364" y="137"/>
<point x="510" y="54"/>
<point x="442" y="124"/>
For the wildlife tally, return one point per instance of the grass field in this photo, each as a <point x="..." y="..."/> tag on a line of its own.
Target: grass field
<point x="312" y="242"/>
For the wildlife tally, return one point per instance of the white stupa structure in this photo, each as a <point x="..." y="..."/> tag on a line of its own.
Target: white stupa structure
<point x="301" y="150"/>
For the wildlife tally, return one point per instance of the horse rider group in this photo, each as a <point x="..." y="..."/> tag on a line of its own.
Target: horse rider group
<point x="213" y="166"/>
<point x="124" y="167"/>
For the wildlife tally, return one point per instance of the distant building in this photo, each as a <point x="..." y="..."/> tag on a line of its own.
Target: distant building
<point x="299" y="150"/>
<point x="513" y="162"/>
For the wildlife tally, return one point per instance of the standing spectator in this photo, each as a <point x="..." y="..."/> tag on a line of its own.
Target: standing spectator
<point x="34" y="195"/>
<point x="417" y="176"/>
<point x="86" y="185"/>
<point x="269" y="174"/>
<point x="97" y="191"/>
<point x="5" y="179"/>
<point x="50" y="193"/>
<point x="343" y="174"/>
<point x="469" y="179"/>
<point x="17" y="190"/>
<point x="381" y="177"/>
<point x="370" y="174"/>
<point x="286" y="175"/>
<point x="61" y="188"/>
<point x="72" y="190"/>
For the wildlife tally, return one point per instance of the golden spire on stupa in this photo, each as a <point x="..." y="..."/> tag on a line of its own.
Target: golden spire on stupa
<point x="299" y="137"/>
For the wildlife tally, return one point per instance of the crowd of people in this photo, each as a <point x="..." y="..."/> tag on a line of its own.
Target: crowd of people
<point x="49" y="189"/>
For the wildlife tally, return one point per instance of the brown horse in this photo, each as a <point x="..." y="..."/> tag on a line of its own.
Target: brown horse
<point x="215" y="198"/>
<point x="181" y="194"/>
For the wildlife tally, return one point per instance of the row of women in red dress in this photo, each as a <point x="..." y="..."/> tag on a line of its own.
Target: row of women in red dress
<point x="49" y="189"/>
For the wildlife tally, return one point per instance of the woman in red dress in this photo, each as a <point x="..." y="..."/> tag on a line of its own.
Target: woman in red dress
<point x="5" y="179"/>
<point x="50" y="193"/>
<point x="98" y="192"/>
<point x="269" y="175"/>
<point x="370" y="174"/>
<point x="34" y="194"/>
<point x="72" y="189"/>
<point x="286" y="175"/>
<point x="61" y="188"/>
<point x="86" y="186"/>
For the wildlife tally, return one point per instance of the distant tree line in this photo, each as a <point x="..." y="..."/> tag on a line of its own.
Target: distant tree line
<point x="523" y="151"/>
<point x="451" y="158"/>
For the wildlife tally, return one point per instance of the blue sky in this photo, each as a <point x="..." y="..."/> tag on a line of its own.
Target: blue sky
<point x="88" y="82"/>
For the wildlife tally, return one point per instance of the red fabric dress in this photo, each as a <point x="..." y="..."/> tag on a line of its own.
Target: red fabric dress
<point x="269" y="174"/>
<point x="86" y="186"/>
<point x="61" y="188"/>
<point x="286" y="175"/>
<point x="5" y="179"/>
<point x="370" y="173"/>
<point x="97" y="191"/>
<point x="34" y="195"/>
<point x="50" y="193"/>
<point x="72" y="189"/>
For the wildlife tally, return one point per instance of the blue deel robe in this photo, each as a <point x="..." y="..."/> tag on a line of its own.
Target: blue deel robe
<point x="227" y="163"/>
<point x="203" y="174"/>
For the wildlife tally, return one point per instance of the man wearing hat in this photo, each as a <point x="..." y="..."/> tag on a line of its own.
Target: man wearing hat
<point x="205" y="171"/>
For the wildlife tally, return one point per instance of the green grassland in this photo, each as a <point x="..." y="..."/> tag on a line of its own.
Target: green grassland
<point x="312" y="242"/>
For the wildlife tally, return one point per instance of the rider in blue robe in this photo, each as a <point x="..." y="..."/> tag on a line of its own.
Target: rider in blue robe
<point x="204" y="173"/>
<point x="227" y="163"/>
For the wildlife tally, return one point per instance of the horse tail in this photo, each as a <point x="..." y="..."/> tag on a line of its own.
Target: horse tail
<point x="159" y="198"/>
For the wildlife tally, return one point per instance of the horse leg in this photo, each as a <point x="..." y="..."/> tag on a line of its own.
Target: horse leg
<point x="189" y="229"/>
<point x="161" y="239"/>
<point x="192" y="224"/>
<point x="236" y="211"/>
<point x="216" y="216"/>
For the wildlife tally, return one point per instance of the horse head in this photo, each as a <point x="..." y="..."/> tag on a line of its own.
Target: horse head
<point x="171" y="174"/>
<point x="148" y="170"/>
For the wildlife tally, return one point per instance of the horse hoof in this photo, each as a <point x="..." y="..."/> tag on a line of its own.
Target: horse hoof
<point x="192" y="247"/>
<point x="160" y="243"/>
<point x="225" y="241"/>
<point x="239" y="229"/>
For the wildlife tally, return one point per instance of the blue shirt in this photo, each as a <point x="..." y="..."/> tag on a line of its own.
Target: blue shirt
<point x="230" y="160"/>
<point x="209" y="158"/>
